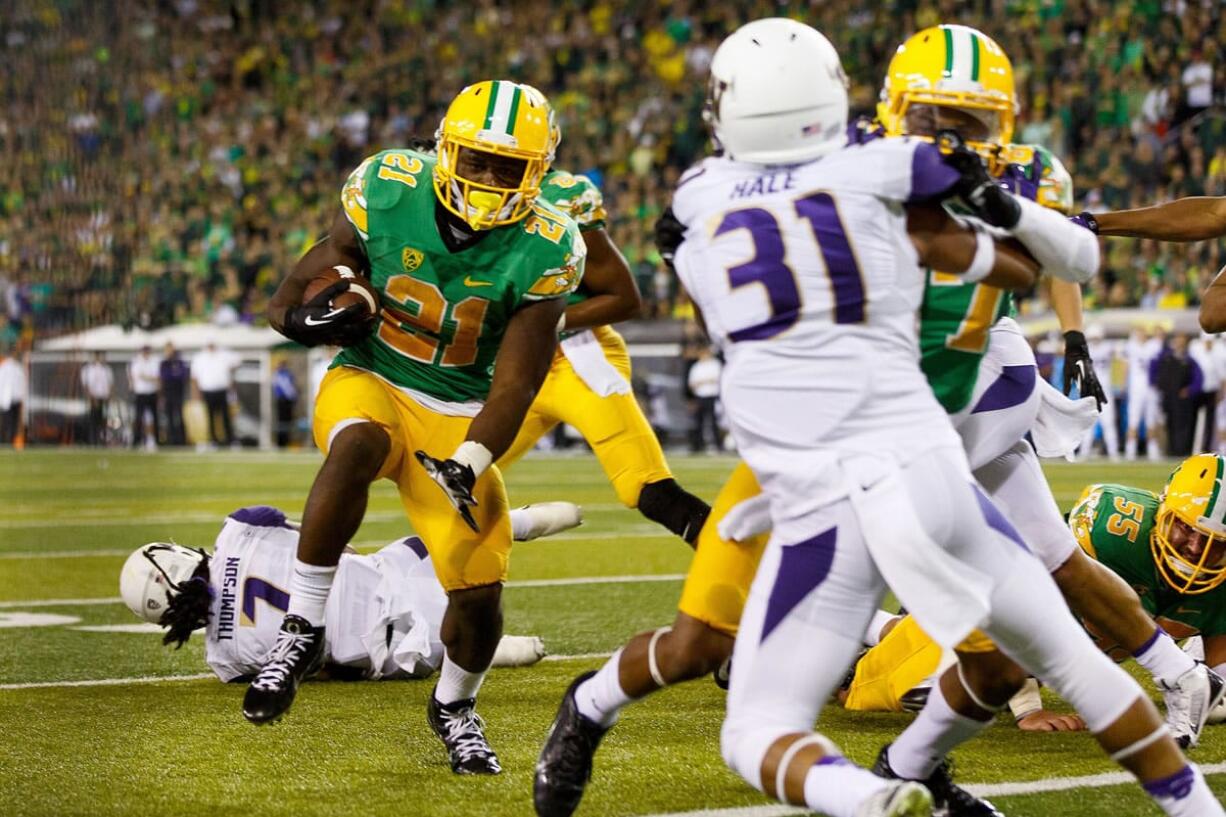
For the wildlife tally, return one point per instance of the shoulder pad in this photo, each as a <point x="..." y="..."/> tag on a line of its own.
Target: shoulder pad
<point x="1081" y="518"/>
<point x="577" y="196"/>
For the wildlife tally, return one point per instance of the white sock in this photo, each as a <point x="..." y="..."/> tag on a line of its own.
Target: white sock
<point x="308" y="591"/>
<point x="521" y="523"/>
<point x="600" y="698"/>
<point x="1163" y="658"/>
<point x="456" y="683"/>
<point x="1184" y="794"/>
<point x="872" y="636"/>
<point x="836" y="786"/>
<point x="935" y="731"/>
<point x="1130" y="448"/>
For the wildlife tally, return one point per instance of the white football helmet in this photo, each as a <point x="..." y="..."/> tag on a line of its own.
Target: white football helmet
<point x="778" y="94"/>
<point x="153" y="574"/>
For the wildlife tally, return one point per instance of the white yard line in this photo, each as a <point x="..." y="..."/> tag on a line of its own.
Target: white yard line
<point x="59" y="602"/>
<point x="568" y="582"/>
<point x="156" y="679"/>
<point x="372" y="545"/>
<point x="1093" y="781"/>
<point x="109" y="682"/>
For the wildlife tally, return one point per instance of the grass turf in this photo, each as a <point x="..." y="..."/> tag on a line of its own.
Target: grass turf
<point x="182" y="748"/>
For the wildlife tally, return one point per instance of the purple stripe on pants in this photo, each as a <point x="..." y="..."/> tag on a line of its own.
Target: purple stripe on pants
<point x="1012" y="388"/>
<point x="995" y="519"/>
<point x="802" y="568"/>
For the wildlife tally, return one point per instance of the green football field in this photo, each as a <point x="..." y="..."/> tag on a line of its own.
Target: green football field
<point x="106" y="722"/>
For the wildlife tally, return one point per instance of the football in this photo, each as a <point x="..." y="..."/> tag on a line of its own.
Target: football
<point x="361" y="291"/>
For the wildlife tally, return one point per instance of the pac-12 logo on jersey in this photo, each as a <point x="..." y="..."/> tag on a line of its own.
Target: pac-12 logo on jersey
<point x="411" y="258"/>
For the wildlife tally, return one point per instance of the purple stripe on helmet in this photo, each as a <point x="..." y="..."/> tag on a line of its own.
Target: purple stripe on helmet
<point x="1012" y="388"/>
<point x="1176" y="787"/>
<point x="261" y="516"/>
<point x="417" y="546"/>
<point x="995" y="519"/>
<point x="802" y="568"/>
<point x="930" y="177"/>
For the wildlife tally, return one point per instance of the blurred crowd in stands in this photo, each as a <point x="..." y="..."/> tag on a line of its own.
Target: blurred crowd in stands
<point x="170" y="160"/>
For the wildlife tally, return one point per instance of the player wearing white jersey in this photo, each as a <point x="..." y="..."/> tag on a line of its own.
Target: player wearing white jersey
<point x="383" y="620"/>
<point x="1144" y="405"/>
<point x="865" y="477"/>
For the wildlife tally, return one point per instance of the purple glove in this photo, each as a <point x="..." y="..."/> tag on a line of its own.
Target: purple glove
<point x="863" y="130"/>
<point x="1086" y="219"/>
<point x="1024" y="181"/>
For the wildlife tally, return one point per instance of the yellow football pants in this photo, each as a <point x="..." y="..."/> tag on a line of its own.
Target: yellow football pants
<point x="614" y="426"/>
<point x="722" y="570"/>
<point x="461" y="557"/>
<point x="899" y="663"/>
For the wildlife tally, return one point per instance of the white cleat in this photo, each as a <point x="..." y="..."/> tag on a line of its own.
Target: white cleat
<point x="905" y="799"/>
<point x="1190" y="700"/>
<point x="548" y="518"/>
<point x="518" y="651"/>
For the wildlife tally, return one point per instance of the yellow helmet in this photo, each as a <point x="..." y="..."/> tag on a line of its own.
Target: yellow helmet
<point x="955" y="67"/>
<point x="506" y="119"/>
<point x="1193" y="495"/>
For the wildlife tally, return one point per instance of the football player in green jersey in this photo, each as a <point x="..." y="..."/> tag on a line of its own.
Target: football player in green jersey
<point x="1170" y="548"/>
<point x="473" y="273"/>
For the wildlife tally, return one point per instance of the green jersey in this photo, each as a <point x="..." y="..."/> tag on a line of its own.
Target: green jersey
<point x="580" y="199"/>
<point x="1113" y="524"/>
<point x="442" y="313"/>
<point x="955" y="316"/>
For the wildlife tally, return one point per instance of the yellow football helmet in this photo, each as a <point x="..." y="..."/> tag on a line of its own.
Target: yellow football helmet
<point x="1193" y="495"/>
<point x="956" y="67"/>
<point x="506" y="119"/>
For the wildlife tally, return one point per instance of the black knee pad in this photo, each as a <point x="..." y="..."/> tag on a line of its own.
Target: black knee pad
<point x="675" y="508"/>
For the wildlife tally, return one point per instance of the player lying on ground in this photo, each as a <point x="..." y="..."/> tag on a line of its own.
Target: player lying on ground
<point x="383" y="618"/>
<point x="992" y="393"/>
<point x="1170" y="547"/>
<point x="472" y="274"/>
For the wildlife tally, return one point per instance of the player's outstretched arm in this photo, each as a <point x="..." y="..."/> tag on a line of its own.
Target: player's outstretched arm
<point x="1213" y="304"/>
<point x="613" y="296"/>
<point x="339" y="248"/>
<point x="1195" y="218"/>
<point x="946" y="244"/>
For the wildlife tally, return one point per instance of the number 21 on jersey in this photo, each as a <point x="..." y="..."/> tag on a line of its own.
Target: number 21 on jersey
<point x="769" y="269"/>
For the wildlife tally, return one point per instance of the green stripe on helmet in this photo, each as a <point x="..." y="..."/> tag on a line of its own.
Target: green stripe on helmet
<point x="1211" y="510"/>
<point x="489" y="106"/>
<point x="514" y="110"/>
<point x="949" y="50"/>
<point x="974" y="58"/>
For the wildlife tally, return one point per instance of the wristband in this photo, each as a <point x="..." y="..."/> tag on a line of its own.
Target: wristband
<point x="1027" y="701"/>
<point x="984" y="260"/>
<point x="1090" y="221"/>
<point x="473" y="454"/>
<point x="1074" y="337"/>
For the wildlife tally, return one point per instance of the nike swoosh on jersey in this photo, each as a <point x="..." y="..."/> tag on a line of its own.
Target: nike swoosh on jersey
<point x="327" y="318"/>
<point x="469" y="282"/>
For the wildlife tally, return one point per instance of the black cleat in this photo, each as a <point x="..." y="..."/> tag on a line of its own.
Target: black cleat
<point x="298" y="653"/>
<point x="948" y="797"/>
<point x="462" y="731"/>
<point x="565" y="764"/>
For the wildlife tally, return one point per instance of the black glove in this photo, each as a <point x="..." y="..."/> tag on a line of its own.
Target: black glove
<point x="981" y="193"/>
<point x="669" y="234"/>
<point x="1079" y="369"/>
<point x="457" y="482"/>
<point x="316" y="322"/>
